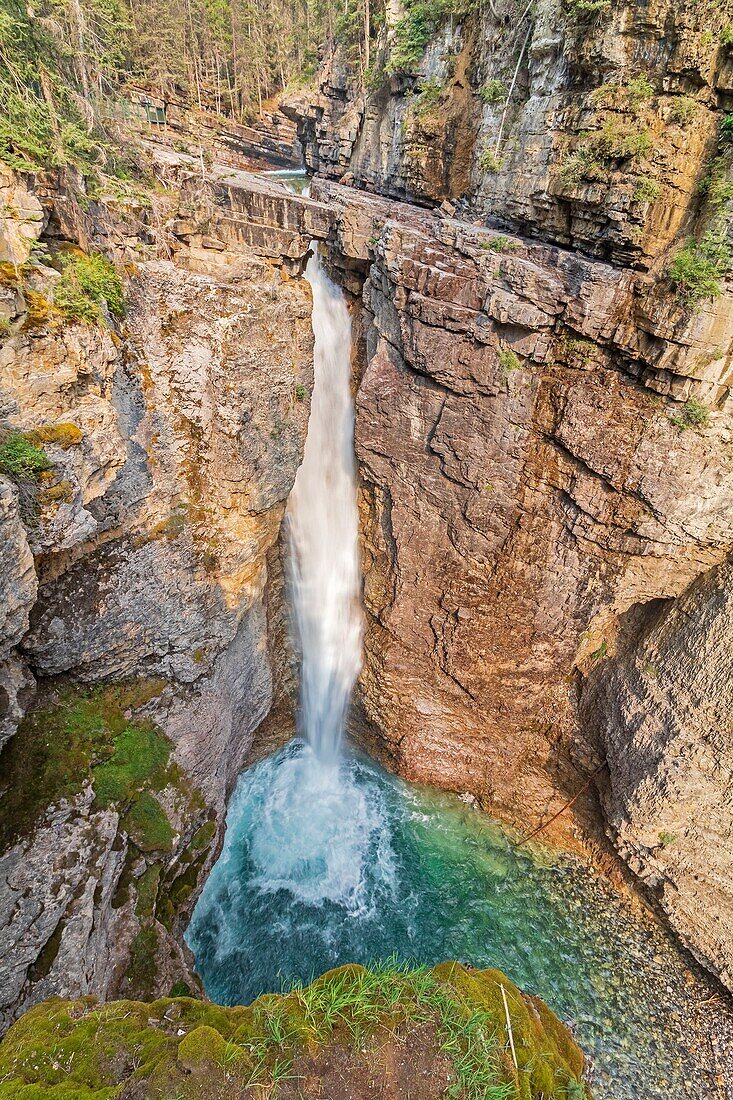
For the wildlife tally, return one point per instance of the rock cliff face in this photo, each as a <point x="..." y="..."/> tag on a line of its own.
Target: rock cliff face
<point x="663" y="711"/>
<point x="145" y="554"/>
<point x="543" y="429"/>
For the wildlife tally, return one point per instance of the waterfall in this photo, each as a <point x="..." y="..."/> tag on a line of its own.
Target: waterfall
<point x="323" y="530"/>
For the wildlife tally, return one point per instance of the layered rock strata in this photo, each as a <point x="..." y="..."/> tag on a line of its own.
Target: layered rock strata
<point x="146" y="555"/>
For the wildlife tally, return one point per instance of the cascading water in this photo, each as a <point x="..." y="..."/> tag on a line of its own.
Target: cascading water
<point x="323" y="528"/>
<point x="328" y="860"/>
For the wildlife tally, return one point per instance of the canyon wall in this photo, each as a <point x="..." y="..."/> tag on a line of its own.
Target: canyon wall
<point x="141" y="583"/>
<point x="543" y="417"/>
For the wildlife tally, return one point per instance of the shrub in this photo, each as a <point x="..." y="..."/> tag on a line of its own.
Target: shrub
<point x="499" y="244"/>
<point x="585" y="10"/>
<point x="699" y="266"/>
<point x="21" y="459"/>
<point x="617" y="142"/>
<point x="493" y="91"/>
<point x="647" y="190"/>
<point x="508" y="362"/>
<point x="684" y="110"/>
<point x="300" y="392"/>
<point x="638" y="90"/>
<point x="88" y="286"/>
<point x="726" y="36"/>
<point x="580" y="165"/>
<point x="490" y="162"/>
<point x="715" y="183"/>
<point x="726" y="129"/>
<point x="694" y="415"/>
<point x="428" y="96"/>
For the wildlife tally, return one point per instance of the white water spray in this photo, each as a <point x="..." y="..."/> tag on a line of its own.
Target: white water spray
<point x="323" y="530"/>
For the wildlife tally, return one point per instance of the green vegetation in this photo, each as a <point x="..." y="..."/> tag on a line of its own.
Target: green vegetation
<point x="587" y="10"/>
<point x="726" y="129"/>
<point x="490" y="162"/>
<point x="428" y="97"/>
<point x="414" y="30"/>
<point x="508" y="362"/>
<point x="500" y="1043"/>
<point x="684" y="110"/>
<point x="598" y="149"/>
<point x="300" y="392"/>
<point x="726" y="36"/>
<point x="499" y="244"/>
<point x="699" y="267"/>
<point x="667" y="838"/>
<point x="88" y="288"/>
<point x="577" y="350"/>
<point x="83" y="736"/>
<point x="493" y="91"/>
<point x="600" y="653"/>
<point x="147" y="824"/>
<point x="21" y="459"/>
<point x="142" y="970"/>
<point x="646" y="190"/>
<point x="638" y="90"/>
<point x="693" y="415"/>
<point x="41" y="123"/>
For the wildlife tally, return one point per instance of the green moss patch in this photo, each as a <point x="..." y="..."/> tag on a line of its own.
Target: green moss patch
<point x="147" y="824"/>
<point x="83" y="736"/>
<point x="492" y="1041"/>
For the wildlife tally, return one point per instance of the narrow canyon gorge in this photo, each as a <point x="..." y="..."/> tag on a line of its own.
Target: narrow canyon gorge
<point x="517" y="235"/>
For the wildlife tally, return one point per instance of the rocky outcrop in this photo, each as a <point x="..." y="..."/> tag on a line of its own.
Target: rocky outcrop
<point x="665" y="719"/>
<point x="18" y="590"/>
<point x="518" y="498"/>
<point x="144" y="553"/>
<point x="419" y="1035"/>
<point x="586" y="129"/>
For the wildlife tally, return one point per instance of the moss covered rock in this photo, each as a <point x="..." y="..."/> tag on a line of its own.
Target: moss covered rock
<point x="374" y="1032"/>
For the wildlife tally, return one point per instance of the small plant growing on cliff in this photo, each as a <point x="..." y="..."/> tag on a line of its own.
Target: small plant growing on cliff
<point x="699" y="267"/>
<point x="428" y="97"/>
<point x="667" y="838"/>
<point x="300" y="392"/>
<point x="647" y="190"/>
<point x="493" y="91"/>
<point x="693" y="415"/>
<point x="600" y="653"/>
<point x="490" y="162"/>
<point x="585" y="10"/>
<point x="638" y="90"/>
<point x="508" y="362"/>
<point x="499" y="244"/>
<point x="22" y="460"/>
<point x="88" y="287"/>
<point x="684" y="110"/>
<point x="580" y="165"/>
<point x="726" y="36"/>
<point x="726" y="130"/>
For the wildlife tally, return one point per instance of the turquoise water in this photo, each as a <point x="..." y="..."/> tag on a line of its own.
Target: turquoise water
<point x="323" y="866"/>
